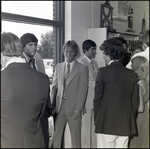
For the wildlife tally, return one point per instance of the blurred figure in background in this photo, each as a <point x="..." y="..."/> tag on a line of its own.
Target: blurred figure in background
<point x="141" y="67"/>
<point x="136" y="48"/>
<point x="144" y="53"/>
<point x="24" y="98"/>
<point x="88" y="136"/>
<point x="116" y="98"/>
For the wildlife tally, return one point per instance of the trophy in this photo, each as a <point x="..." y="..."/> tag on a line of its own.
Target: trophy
<point x="130" y="20"/>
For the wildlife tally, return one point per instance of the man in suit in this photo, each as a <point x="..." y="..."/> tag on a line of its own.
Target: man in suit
<point x="24" y="98"/>
<point x="88" y="136"/>
<point x="116" y="98"/>
<point x="29" y="43"/>
<point x="69" y="91"/>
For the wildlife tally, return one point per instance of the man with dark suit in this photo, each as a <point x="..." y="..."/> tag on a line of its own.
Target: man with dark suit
<point x="24" y="98"/>
<point x="88" y="136"/>
<point x="29" y="43"/>
<point x="69" y="91"/>
<point x="116" y="98"/>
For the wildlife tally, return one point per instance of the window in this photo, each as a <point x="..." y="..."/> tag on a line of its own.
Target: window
<point x="45" y="19"/>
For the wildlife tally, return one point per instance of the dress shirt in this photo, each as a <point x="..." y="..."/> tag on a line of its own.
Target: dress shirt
<point x="27" y="58"/>
<point x="15" y="60"/>
<point x="112" y="61"/>
<point x="71" y="66"/>
<point x="88" y="59"/>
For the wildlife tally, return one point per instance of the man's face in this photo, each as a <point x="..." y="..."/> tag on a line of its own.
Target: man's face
<point x="106" y="58"/>
<point x="30" y="49"/>
<point x="69" y="54"/>
<point x="91" y="53"/>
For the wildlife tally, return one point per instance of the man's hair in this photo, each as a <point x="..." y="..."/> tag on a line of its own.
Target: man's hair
<point x="87" y="44"/>
<point x="10" y="44"/>
<point x="114" y="48"/>
<point x="146" y="37"/>
<point x="123" y="41"/>
<point x="73" y="45"/>
<point x="26" y="38"/>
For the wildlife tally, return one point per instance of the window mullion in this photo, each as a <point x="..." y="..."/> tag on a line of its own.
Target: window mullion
<point x="27" y="19"/>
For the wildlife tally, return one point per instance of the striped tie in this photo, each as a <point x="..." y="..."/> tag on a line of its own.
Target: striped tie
<point x="66" y="80"/>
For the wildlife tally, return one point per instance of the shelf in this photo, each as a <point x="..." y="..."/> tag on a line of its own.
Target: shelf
<point x="120" y="18"/>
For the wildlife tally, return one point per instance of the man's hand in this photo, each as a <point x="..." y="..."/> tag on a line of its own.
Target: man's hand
<point x="77" y="114"/>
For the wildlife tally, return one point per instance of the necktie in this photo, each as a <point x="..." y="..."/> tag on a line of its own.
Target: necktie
<point x="93" y="67"/>
<point x="66" y="80"/>
<point x="32" y="63"/>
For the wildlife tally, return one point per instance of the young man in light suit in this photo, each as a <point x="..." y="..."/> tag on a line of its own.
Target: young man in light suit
<point x="69" y="95"/>
<point x="88" y="136"/>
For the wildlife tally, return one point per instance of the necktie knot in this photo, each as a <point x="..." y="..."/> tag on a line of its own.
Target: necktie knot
<point x="68" y="66"/>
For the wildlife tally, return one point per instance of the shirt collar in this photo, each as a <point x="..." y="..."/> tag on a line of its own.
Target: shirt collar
<point x="71" y="64"/>
<point x="27" y="58"/>
<point x="87" y="58"/>
<point x="15" y="60"/>
<point x="112" y="61"/>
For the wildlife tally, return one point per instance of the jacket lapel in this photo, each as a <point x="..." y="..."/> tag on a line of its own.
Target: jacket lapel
<point x="74" y="71"/>
<point x="62" y="72"/>
<point x="91" y="70"/>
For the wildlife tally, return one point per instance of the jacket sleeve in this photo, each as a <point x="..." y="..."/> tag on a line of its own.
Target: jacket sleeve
<point x="135" y="99"/>
<point x="99" y="90"/>
<point x="54" y="88"/>
<point x="82" y="88"/>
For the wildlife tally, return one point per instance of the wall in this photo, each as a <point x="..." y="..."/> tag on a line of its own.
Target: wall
<point x="81" y="15"/>
<point x="79" y="20"/>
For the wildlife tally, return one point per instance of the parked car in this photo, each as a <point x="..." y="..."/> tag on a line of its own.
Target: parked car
<point x="48" y="64"/>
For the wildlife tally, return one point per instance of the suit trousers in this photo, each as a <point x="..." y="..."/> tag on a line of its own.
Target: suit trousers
<point x="61" y="120"/>
<point x="88" y="135"/>
<point x="112" y="141"/>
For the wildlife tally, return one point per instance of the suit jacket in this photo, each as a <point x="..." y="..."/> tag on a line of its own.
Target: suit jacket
<point x="76" y="90"/>
<point x="92" y="78"/>
<point x="116" y="100"/>
<point x="39" y="64"/>
<point x="24" y="100"/>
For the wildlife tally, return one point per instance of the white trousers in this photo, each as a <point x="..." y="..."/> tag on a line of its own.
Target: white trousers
<point x="111" y="141"/>
<point x="88" y="135"/>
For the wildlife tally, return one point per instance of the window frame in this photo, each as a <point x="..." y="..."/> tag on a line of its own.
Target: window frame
<point x="58" y="24"/>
